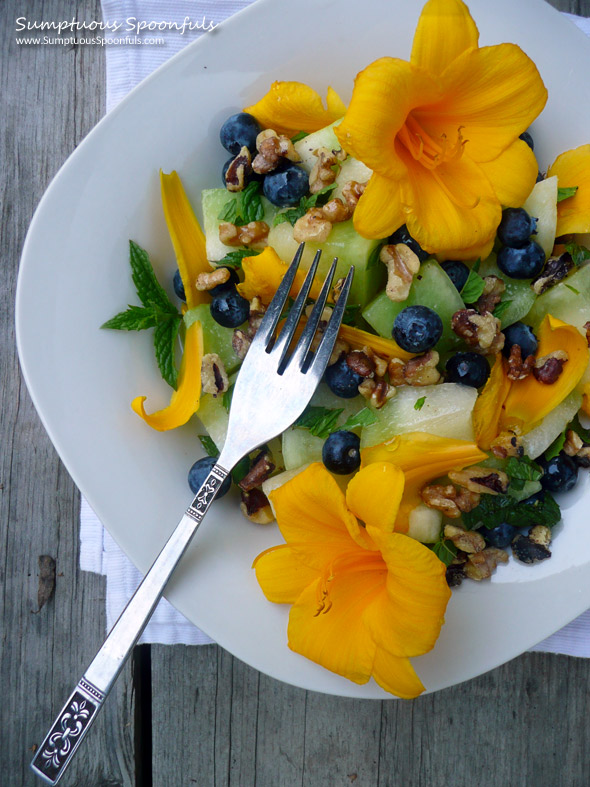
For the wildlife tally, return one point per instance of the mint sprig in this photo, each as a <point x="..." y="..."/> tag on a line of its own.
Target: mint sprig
<point x="209" y="446"/>
<point x="566" y="193"/>
<point x="579" y="254"/>
<point x="364" y="417"/>
<point x="473" y="287"/>
<point x="305" y="203"/>
<point x="495" y="509"/>
<point x="245" y="207"/>
<point x="501" y="309"/>
<point x="321" y="421"/>
<point x="445" y="550"/>
<point x="522" y="470"/>
<point x="234" y="259"/>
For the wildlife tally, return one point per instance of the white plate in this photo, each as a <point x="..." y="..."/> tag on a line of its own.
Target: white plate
<point x="75" y="275"/>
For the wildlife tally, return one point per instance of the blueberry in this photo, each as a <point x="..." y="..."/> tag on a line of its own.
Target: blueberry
<point x="526" y="137"/>
<point x="228" y="285"/>
<point x="402" y="235"/>
<point x="239" y="130"/>
<point x="341" y="380"/>
<point x="178" y="286"/>
<point x="500" y="536"/>
<point x="229" y="308"/>
<point x="457" y="272"/>
<point x="417" y="329"/>
<point x="560" y="473"/>
<point x="516" y="227"/>
<point x="468" y="369"/>
<point x="523" y="263"/>
<point x="286" y="184"/>
<point x="521" y="334"/>
<point x="341" y="452"/>
<point x="199" y="472"/>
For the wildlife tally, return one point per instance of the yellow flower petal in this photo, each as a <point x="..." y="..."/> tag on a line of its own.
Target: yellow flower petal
<point x="384" y="93"/>
<point x="281" y="574"/>
<point x="488" y="405"/>
<point x="313" y="518"/>
<point x="445" y="30"/>
<point x="263" y="274"/>
<point x="379" y="211"/>
<point x="290" y="107"/>
<point x="573" y="169"/>
<point x="374" y="495"/>
<point x="512" y="174"/>
<point x="529" y="400"/>
<point x="185" y="400"/>
<point x="357" y="338"/>
<point x="396" y="675"/>
<point x="416" y="598"/>
<point x="187" y="237"/>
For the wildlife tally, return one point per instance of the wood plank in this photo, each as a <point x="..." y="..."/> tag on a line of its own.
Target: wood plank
<point x="51" y="101"/>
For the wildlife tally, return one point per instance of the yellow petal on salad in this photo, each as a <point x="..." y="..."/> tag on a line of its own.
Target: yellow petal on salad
<point x="185" y="400"/>
<point x="290" y="107"/>
<point x="379" y="208"/>
<point x="488" y="405"/>
<point x="445" y="30"/>
<point x="529" y="400"/>
<point x="357" y="338"/>
<point x="573" y="169"/>
<point x="186" y="236"/>
<point x="263" y="274"/>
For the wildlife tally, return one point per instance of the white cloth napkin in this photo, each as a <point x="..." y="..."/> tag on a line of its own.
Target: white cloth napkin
<point x="126" y="66"/>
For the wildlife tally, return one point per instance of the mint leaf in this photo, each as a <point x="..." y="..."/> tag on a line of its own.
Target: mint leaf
<point x="351" y="312"/>
<point x="566" y="193"/>
<point x="299" y="136"/>
<point x="245" y="207"/>
<point x="473" y="287"/>
<point x="241" y="470"/>
<point x="573" y="289"/>
<point x="501" y="309"/>
<point x="305" y="203"/>
<point x="579" y="254"/>
<point x="136" y="318"/>
<point x="522" y="470"/>
<point x="227" y="397"/>
<point x="445" y="550"/>
<point x="555" y="446"/>
<point x="234" y="258"/>
<point x="364" y="417"/>
<point x="209" y="445"/>
<point x="495" y="509"/>
<point x="321" y="421"/>
<point x="419" y="403"/>
<point x="165" y="337"/>
<point x="149" y="289"/>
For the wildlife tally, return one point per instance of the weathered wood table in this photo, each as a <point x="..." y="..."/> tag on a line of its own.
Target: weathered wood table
<point x="195" y="715"/>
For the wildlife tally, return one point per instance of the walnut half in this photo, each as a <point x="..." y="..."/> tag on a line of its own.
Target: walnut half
<point x="402" y="265"/>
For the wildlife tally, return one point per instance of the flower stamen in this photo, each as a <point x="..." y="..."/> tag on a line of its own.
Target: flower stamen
<point x="427" y="150"/>
<point x="344" y="563"/>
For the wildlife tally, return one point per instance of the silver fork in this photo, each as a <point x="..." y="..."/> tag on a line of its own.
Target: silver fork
<point x="289" y="378"/>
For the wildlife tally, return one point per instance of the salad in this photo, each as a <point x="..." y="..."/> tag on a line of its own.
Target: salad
<point x="451" y="416"/>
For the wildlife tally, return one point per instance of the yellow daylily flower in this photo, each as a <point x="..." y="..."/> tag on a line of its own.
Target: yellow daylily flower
<point x="364" y="599"/>
<point x="529" y="400"/>
<point x="187" y="237"/>
<point x="290" y="107"/>
<point x="573" y="169"/>
<point x="422" y="457"/>
<point x="489" y="404"/>
<point x="441" y="135"/>
<point x="185" y="400"/>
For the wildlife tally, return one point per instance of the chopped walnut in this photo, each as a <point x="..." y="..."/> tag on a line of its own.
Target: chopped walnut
<point x="548" y="368"/>
<point x="484" y="480"/>
<point x="422" y="369"/>
<point x="312" y="226"/>
<point x="240" y="343"/>
<point x="380" y="362"/>
<point x="336" y="211"/>
<point x="575" y="447"/>
<point x="483" y="564"/>
<point x="324" y="171"/>
<point x="479" y="331"/>
<point x="507" y="444"/>
<point x="450" y="500"/>
<point x="540" y="534"/>
<point x="210" y="279"/>
<point x="402" y="265"/>
<point x="376" y="390"/>
<point x="340" y="347"/>
<point x="255" y="506"/>
<point x="455" y="575"/>
<point x="517" y="368"/>
<point x="337" y="289"/>
<point x="262" y="468"/>
<point x="395" y="369"/>
<point x="528" y="551"/>
<point x="214" y="379"/>
<point x="238" y="170"/>
<point x="493" y="287"/>
<point x="253" y="234"/>
<point x="556" y="269"/>
<point x="469" y="541"/>
<point x="352" y="192"/>
<point x="257" y="311"/>
<point x="271" y="149"/>
<point x="360" y="363"/>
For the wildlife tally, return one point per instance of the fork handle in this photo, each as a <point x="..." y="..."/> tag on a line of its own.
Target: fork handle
<point x="77" y="715"/>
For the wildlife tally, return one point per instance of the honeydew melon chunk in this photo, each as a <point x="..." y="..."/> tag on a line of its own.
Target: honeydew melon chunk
<point x="214" y="417"/>
<point x="542" y="204"/>
<point x="216" y="338"/>
<point x="518" y="292"/>
<point x="540" y="438"/>
<point x="446" y="412"/>
<point x="213" y="201"/>
<point x="424" y="524"/>
<point x="346" y="244"/>
<point x="433" y="288"/>
<point x="568" y="301"/>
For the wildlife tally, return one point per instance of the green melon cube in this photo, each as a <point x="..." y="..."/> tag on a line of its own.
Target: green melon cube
<point x="568" y="301"/>
<point x="216" y="338"/>
<point x="518" y="292"/>
<point x="213" y="202"/>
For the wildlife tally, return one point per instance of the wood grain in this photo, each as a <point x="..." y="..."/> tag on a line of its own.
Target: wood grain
<point x="210" y="720"/>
